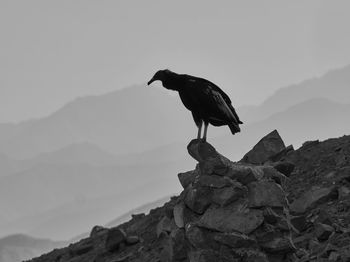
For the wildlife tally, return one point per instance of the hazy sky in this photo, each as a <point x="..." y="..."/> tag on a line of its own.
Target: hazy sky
<point x="54" y="51"/>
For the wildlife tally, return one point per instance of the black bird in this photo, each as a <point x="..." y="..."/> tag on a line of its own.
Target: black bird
<point x="207" y="102"/>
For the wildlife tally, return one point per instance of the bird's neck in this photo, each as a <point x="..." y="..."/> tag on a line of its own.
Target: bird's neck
<point x="173" y="82"/>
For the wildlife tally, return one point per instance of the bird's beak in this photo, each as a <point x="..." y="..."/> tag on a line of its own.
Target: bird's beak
<point x="150" y="81"/>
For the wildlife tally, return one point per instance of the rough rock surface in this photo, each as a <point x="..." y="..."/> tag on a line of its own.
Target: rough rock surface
<point x="267" y="147"/>
<point x="240" y="212"/>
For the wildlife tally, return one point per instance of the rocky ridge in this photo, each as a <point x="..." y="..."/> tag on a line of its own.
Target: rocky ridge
<point x="276" y="204"/>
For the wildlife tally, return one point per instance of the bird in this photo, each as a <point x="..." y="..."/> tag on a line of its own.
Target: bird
<point x="207" y="102"/>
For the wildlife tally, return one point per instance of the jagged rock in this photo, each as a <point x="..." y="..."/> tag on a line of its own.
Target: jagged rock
<point x="97" y="230"/>
<point x="198" y="198"/>
<point x="323" y="231"/>
<point x="175" y="248"/>
<point x="311" y="198"/>
<point x="225" y="196"/>
<point x="265" y="193"/>
<point x="268" y="146"/>
<point x="279" y="156"/>
<point x="213" y="181"/>
<point x="187" y="178"/>
<point x="232" y="218"/>
<point x="235" y="240"/>
<point x="284" y="167"/>
<point x="115" y="237"/>
<point x="278" y="245"/>
<point x="200" y="238"/>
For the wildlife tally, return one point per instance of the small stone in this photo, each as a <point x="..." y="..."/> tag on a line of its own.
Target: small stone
<point x="187" y="178"/>
<point x="179" y="213"/>
<point x="343" y="192"/>
<point x="278" y="245"/>
<point x="115" y="237"/>
<point x="323" y="231"/>
<point x="132" y="240"/>
<point x="97" y="230"/>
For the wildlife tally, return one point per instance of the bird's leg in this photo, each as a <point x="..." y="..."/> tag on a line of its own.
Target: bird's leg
<point x="205" y="131"/>
<point x="199" y="129"/>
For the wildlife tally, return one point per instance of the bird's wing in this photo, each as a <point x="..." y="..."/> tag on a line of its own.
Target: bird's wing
<point x="220" y="97"/>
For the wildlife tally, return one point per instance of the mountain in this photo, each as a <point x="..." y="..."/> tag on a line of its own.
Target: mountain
<point x="16" y="248"/>
<point x="126" y="121"/>
<point x="292" y="206"/>
<point x="333" y="85"/>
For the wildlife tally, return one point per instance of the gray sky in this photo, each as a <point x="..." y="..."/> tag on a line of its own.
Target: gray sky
<point x="54" y="51"/>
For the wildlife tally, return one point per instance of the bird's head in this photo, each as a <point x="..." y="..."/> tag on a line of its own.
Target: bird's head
<point x="161" y="75"/>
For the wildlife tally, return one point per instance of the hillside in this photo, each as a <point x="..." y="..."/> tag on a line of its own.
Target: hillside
<point x="194" y="226"/>
<point x="21" y="247"/>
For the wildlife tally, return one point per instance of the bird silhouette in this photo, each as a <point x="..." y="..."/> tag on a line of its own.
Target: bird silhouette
<point x="207" y="102"/>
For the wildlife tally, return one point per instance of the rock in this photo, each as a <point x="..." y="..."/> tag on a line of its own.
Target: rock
<point x="115" y="237"/>
<point x="235" y="240"/>
<point x="213" y="181"/>
<point x="200" y="238"/>
<point x="187" y="178"/>
<point x="165" y="225"/>
<point x="179" y="213"/>
<point x="323" y="231"/>
<point x="244" y="174"/>
<point x="266" y="193"/>
<point x="299" y="222"/>
<point x="200" y="150"/>
<point x="284" y="167"/>
<point x="207" y="255"/>
<point x="233" y="218"/>
<point x="334" y="256"/>
<point x="282" y="154"/>
<point x="132" y="240"/>
<point x="81" y="248"/>
<point x="198" y="198"/>
<point x="281" y="245"/>
<point x="343" y="192"/>
<point x="271" y="173"/>
<point x="227" y="195"/>
<point x="97" y="230"/>
<point x="268" y="146"/>
<point x="313" y="197"/>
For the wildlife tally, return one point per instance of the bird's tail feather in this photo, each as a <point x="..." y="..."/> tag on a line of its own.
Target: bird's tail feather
<point x="234" y="128"/>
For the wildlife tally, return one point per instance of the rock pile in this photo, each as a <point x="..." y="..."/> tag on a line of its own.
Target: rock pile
<point x="229" y="211"/>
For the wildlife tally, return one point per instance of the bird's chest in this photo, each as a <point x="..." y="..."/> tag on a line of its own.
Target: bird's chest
<point x="190" y="101"/>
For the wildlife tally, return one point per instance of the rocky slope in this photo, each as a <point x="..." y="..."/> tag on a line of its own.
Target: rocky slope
<point x="276" y="204"/>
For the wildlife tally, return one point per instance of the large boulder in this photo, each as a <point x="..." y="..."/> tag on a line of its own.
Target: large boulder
<point x="267" y="147"/>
